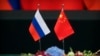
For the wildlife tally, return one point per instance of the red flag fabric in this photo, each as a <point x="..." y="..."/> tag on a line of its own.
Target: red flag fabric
<point x="62" y="27"/>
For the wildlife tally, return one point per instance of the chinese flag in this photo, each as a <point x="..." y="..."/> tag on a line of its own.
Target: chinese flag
<point x="63" y="28"/>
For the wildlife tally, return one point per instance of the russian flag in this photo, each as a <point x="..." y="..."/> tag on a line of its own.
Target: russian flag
<point x="38" y="27"/>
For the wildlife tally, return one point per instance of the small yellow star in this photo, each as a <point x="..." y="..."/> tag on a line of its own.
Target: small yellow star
<point x="61" y="16"/>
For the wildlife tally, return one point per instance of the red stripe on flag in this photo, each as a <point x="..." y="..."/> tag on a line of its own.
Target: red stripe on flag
<point x="34" y="33"/>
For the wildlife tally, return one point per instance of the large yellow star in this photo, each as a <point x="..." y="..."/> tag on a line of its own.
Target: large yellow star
<point x="62" y="18"/>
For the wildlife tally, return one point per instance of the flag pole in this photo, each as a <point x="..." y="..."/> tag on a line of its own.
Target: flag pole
<point x="40" y="44"/>
<point x="63" y="45"/>
<point x="40" y="38"/>
<point x="63" y="39"/>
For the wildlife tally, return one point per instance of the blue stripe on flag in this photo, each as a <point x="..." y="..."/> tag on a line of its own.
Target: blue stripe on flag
<point x="15" y="4"/>
<point x="37" y="27"/>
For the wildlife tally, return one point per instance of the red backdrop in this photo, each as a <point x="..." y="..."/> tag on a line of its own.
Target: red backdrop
<point x="49" y="4"/>
<point x="52" y="4"/>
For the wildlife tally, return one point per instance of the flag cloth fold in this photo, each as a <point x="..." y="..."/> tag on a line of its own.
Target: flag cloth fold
<point x="62" y="27"/>
<point x="38" y="27"/>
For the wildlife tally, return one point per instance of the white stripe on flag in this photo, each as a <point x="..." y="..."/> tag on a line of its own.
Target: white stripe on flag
<point x="41" y="22"/>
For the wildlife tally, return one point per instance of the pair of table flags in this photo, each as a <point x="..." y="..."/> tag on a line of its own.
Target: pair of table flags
<point x="38" y="28"/>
